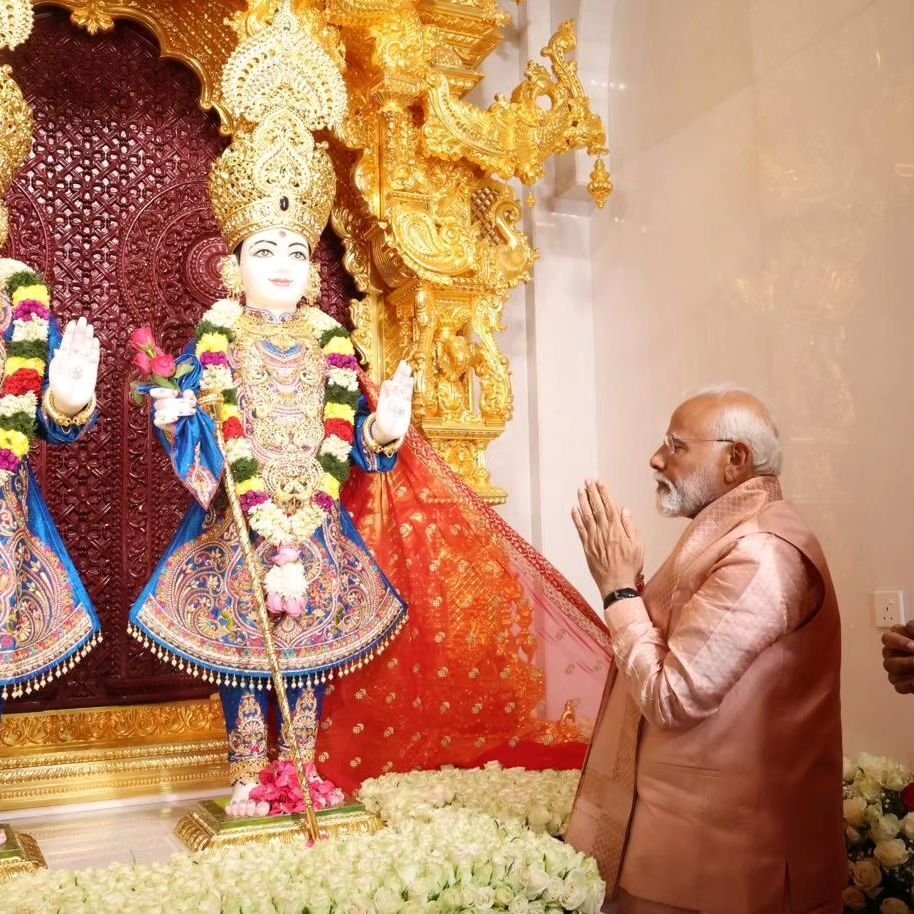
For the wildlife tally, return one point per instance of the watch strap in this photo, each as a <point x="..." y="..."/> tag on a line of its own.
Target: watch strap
<point x="624" y="593"/>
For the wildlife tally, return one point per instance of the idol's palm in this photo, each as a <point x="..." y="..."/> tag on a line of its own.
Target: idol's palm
<point x="395" y="405"/>
<point x="73" y="371"/>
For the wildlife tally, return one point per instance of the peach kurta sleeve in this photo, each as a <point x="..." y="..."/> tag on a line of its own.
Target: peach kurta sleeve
<point x="758" y="592"/>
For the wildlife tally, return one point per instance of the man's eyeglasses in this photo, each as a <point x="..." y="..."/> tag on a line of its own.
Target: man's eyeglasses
<point x="674" y="445"/>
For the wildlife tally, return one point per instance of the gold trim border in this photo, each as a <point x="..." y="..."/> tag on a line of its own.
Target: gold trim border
<point x="99" y="754"/>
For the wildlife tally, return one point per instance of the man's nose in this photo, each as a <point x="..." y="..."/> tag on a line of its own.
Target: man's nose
<point x="657" y="461"/>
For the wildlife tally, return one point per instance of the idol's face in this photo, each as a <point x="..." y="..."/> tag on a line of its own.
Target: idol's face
<point x="275" y="266"/>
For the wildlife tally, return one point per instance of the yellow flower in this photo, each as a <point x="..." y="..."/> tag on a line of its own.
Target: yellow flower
<point x="14" y="441"/>
<point x="228" y="411"/>
<point x="339" y="345"/>
<point x="331" y="485"/>
<point x="32" y="293"/>
<point x="254" y="484"/>
<point x="339" y="411"/>
<point x="16" y="363"/>
<point x="212" y="342"/>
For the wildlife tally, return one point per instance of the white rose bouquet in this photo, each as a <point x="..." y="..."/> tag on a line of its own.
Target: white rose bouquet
<point x="879" y="833"/>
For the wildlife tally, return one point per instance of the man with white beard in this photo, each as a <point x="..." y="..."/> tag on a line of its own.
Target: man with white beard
<point x="713" y="780"/>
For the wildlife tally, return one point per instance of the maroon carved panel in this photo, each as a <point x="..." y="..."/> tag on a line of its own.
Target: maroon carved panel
<point x="113" y="208"/>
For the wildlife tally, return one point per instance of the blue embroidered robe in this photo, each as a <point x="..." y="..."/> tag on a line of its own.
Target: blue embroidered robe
<point x="46" y="618"/>
<point x="197" y="609"/>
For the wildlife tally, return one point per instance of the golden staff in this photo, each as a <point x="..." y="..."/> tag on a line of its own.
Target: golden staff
<point x="212" y="401"/>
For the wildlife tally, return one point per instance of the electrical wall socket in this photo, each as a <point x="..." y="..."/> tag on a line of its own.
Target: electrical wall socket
<point x="888" y="608"/>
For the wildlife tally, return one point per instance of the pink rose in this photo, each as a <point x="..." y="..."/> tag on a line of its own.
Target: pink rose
<point x="150" y="358"/>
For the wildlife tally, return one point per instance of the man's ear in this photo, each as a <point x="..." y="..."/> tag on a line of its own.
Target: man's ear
<point x="739" y="463"/>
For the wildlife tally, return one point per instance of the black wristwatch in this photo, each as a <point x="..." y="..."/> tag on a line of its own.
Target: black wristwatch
<point x="623" y="593"/>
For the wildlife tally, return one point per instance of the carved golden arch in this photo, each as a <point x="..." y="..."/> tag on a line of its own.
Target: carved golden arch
<point x="428" y="222"/>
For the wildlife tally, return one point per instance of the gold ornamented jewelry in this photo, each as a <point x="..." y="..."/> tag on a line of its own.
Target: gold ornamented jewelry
<point x="16" y="124"/>
<point x="285" y="65"/>
<point x="247" y="771"/>
<point x="313" y="293"/>
<point x="273" y="176"/>
<point x="230" y="274"/>
<point x="279" y="85"/>
<point x="16" y="19"/>
<point x="386" y="450"/>
<point x="283" y="398"/>
<point x="61" y="418"/>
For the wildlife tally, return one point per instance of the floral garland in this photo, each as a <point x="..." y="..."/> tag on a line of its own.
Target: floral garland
<point x="24" y="370"/>
<point x="286" y="582"/>
<point x="435" y="861"/>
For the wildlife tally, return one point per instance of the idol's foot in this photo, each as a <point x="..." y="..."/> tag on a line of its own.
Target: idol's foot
<point x="324" y="793"/>
<point x="241" y="806"/>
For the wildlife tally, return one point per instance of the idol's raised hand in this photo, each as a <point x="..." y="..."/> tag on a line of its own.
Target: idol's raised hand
<point x="395" y="406"/>
<point x="73" y="371"/>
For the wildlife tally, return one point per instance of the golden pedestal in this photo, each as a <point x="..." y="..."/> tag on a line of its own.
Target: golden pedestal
<point x="209" y="826"/>
<point x="83" y="756"/>
<point x="18" y="854"/>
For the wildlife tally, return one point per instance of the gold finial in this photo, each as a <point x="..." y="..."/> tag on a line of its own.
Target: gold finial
<point x="16" y="18"/>
<point x="569" y="713"/>
<point x="601" y="185"/>
<point x="15" y="138"/>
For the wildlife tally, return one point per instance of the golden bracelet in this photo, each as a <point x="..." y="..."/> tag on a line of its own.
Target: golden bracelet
<point x="386" y="450"/>
<point x="61" y="418"/>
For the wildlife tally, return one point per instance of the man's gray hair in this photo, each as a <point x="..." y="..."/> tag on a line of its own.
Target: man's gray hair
<point x="756" y="430"/>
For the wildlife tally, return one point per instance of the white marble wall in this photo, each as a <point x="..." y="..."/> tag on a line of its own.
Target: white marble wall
<point x="761" y="233"/>
<point x="551" y="445"/>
